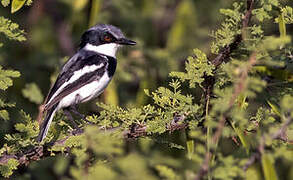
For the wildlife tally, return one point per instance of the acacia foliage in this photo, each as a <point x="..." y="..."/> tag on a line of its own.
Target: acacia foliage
<point x="248" y="106"/>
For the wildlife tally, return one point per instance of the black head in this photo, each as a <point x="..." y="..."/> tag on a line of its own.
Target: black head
<point x="103" y="34"/>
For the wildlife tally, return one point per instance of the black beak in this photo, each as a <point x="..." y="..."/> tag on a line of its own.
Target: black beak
<point x="125" y="41"/>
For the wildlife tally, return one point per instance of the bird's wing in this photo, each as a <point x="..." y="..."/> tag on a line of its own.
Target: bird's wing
<point x="80" y="70"/>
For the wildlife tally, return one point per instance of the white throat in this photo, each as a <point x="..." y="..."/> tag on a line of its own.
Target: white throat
<point x="109" y="49"/>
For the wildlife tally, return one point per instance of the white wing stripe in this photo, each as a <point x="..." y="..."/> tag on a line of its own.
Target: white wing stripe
<point x="86" y="92"/>
<point x="76" y="75"/>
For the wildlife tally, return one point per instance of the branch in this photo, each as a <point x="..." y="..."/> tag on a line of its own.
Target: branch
<point x="238" y="89"/>
<point x="251" y="161"/>
<point x="140" y="130"/>
<point x="210" y="80"/>
<point x="42" y="151"/>
<point x="280" y="133"/>
<point x="277" y="135"/>
<point x="226" y="52"/>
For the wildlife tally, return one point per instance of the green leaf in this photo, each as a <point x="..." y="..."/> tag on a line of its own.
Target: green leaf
<point x="95" y="11"/>
<point x="5" y="78"/>
<point x="33" y="93"/>
<point x="268" y="167"/>
<point x="101" y="171"/>
<point x="4" y="104"/>
<point x="166" y="172"/>
<point x="288" y="14"/>
<point x="16" y="5"/>
<point x="7" y="169"/>
<point x="274" y="43"/>
<point x="228" y="29"/>
<point x="185" y="20"/>
<point x="28" y="2"/>
<point x="282" y="25"/>
<point x="111" y="95"/>
<point x="275" y="109"/>
<point x="5" y="3"/>
<point x="254" y="172"/>
<point x="78" y="5"/>
<point x="261" y="13"/>
<point x="4" y="114"/>
<point x="243" y="139"/>
<point x="286" y="103"/>
<point x="190" y="148"/>
<point x="241" y="101"/>
<point x="11" y="30"/>
<point x="196" y="67"/>
<point x="61" y="165"/>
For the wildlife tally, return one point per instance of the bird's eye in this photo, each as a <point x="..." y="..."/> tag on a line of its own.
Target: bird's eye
<point x="107" y="38"/>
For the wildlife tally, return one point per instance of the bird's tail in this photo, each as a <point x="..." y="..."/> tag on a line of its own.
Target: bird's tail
<point x="46" y="124"/>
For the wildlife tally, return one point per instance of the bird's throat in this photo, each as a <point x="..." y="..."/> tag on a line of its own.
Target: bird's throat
<point x="109" y="49"/>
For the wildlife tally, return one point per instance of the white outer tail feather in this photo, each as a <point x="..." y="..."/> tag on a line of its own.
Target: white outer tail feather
<point x="46" y="124"/>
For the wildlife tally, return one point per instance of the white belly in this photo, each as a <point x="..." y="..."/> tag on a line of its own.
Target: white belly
<point x="86" y="92"/>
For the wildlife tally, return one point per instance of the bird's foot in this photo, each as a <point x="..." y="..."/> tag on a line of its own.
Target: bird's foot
<point x="70" y="118"/>
<point x="74" y="110"/>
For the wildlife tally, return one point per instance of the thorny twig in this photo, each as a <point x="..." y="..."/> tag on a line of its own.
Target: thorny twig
<point x="238" y="88"/>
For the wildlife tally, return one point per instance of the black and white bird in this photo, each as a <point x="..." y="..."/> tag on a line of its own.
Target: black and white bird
<point x="86" y="74"/>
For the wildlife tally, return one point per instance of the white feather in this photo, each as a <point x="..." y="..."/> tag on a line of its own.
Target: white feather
<point x="86" y="92"/>
<point x="76" y="75"/>
<point x="109" y="49"/>
<point x="48" y="125"/>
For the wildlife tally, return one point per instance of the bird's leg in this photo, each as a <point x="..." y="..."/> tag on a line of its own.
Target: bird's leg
<point x="74" y="110"/>
<point x="70" y="118"/>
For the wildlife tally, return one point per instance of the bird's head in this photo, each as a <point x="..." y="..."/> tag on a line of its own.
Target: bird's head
<point x="104" y="39"/>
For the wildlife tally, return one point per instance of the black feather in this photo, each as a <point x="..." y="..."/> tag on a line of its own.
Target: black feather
<point x="112" y="63"/>
<point x="82" y="59"/>
<point x="46" y="124"/>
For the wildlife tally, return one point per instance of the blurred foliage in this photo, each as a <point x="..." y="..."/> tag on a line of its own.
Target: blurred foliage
<point x="32" y="92"/>
<point x="153" y="88"/>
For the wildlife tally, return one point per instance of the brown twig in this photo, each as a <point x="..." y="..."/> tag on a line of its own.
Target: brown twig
<point x="251" y="161"/>
<point x="209" y="82"/>
<point x="204" y="168"/>
<point x="280" y="133"/>
<point x="239" y="87"/>
<point x="226" y="52"/>
<point x="277" y="135"/>
<point x="41" y="151"/>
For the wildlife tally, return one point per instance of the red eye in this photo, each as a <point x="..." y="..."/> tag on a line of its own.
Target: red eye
<point x="107" y="38"/>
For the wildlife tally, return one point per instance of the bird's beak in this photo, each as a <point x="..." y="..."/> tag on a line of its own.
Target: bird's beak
<point x="124" y="41"/>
